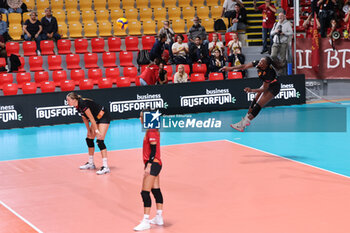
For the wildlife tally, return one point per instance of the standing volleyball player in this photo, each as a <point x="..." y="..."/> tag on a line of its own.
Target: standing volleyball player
<point x="153" y="165"/>
<point x="96" y="119"/>
<point x="269" y="89"/>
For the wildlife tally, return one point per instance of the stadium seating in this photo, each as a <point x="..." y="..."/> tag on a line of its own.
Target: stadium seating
<point x="131" y="72"/>
<point x="77" y="75"/>
<point x="15" y="31"/>
<point x="12" y="48"/>
<point x="112" y="73"/>
<point x="10" y="89"/>
<point x="41" y="5"/>
<point x="126" y="4"/>
<point x="174" y="13"/>
<point x="156" y="3"/>
<point x="105" y="28"/>
<point x="199" y="68"/>
<point x="41" y="76"/>
<point x="81" y="45"/>
<point x="126" y="58"/>
<point x="169" y="70"/>
<point x="75" y="30"/>
<point x="72" y="4"/>
<point x="188" y="12"/>
<point x="203" y="12"/>
<point x="100" y="4"/>
<point x="145" y="13"/>
<point x="90" y="29"/>
<point x="97" y="45"/>
<point x="85" y="5"/>
<point x="147" y="42"/>
<point x="54" y="62"/>
<point x="29" y="88"/>
<point x="105" y="83"/>
<point x="149" y="27"/>
<point x="109" y="59"/>
<point x="15" y="18"/>
<point x="86" y="84"/>
<point x="199" y="77"/>
<point x="216" y="76"/>
<point x="73" y="61"/>
<point x="114" y="44"/>
<point x="21" y="67"/>
<point x="36" y="63"/>
<point x="67" y="85"/>
<point x="88" y="16"/>
<point x="47" y="86"/>
<point x="30" y="4"/>
<point x="131" y="43"/>
<point x="62" y="30"/>
<point x="123" y="81"/>
<point x="178" y="25"/>
<point x="90" y="60"/>
<point x="95" y="75"/>
<point x="134" y="28"/>
<point x="102" y="15"/>
<point x="56" y="5"/>
<point x="235" y="75"/>
<point x="23" y="78"/>
<point x="64" y="46"/>
<point x="47" y="47"/>
<point x="5" y="78"/>
<point x="58" y="76"/>
<point x="159" y="14"/>
<point x="29" y="48"/>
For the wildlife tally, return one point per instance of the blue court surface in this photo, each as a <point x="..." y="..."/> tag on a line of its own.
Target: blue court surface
<point x="314" y="134"/>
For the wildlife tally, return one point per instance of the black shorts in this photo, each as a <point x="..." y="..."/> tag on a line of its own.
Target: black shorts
<point x="106" y="118"/>
<point x="155" y="168"/>
<point x="274" y="88"/>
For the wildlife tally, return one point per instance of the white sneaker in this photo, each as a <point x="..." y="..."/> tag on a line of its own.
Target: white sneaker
<point x="158" y="220"/>
<point x="87" y="166"/>
<point x="240" y="126"/>
<point x="103" y="170"/>
<point x="144" y="225"/>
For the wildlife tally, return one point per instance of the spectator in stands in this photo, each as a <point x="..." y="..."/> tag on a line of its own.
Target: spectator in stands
<point x="150" y="75"/>
<point x="162" y="74"/>
<point x="180" y="76"/>
<point x="197" y="30"/>
<point x="199" y="52"/>
<point x="228" y="9"/>
<point x="281" y="33"/>
<point x="309" y="25"/>
<point x="216" y="44"/>
<point x="3" y="52"/>
<point x="50" y="28"/>
<point x="3" y="29"/>
<point x="233" y="44"/>
<point x="4" y="7"/>
<point x="32" y="29"/>
<point x="180" y="51"/>
<point x="15" y="6"/>
<point x="216" y="61"/>
<point x="236" y="59"/>
<point x="169" y="36"/>
<point x="158" y="48"/>
<point x="335" y="27"/>
<point x="268" y="13"/>
<point x="326" y="13"/>
<point x="239" y="19"/>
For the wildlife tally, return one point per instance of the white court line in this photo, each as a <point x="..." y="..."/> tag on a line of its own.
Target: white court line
<point x="322" y="169"/>
<point x="19" y="216"/>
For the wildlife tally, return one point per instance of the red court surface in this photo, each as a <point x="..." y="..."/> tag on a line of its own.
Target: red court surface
<point x="207" y="187"/>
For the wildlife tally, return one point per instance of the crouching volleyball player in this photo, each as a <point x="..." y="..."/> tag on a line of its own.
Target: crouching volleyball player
<point x="153" y="165"/>
<point x="96" y="119"/>
<point x="269" y="89"/>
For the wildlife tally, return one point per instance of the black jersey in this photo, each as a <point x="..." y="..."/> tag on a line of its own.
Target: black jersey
<point x="95" y="108"/>
<point x="268" y="75"/>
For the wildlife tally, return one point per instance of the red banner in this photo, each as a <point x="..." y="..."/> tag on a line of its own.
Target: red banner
<point x="334" y="63"/>
<point x="315" y="55"/>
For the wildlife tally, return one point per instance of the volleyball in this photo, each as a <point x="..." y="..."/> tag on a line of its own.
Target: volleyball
<point x="122" y="23"/>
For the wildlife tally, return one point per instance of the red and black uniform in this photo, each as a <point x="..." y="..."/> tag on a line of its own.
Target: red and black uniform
<point x="269" y="76"/>
<point x="100" y="114"/>
<point x="151" y="152"/>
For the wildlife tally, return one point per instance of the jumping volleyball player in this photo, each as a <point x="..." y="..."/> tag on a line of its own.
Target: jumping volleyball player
<point x="99" y="118"/>
<point x="153" y="165"/>
<point x="269" y="89"/>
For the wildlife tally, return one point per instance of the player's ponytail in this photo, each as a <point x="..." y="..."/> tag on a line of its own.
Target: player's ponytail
<point x="74" y="96"/>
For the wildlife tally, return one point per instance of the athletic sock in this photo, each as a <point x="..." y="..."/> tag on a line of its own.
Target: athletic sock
<point x="91" y="159"/>
<point x="159" y="212"/>
<point x="104" y="162"/>
<point x="146" y="216"/>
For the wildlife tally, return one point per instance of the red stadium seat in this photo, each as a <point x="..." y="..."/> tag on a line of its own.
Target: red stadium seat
<point x="64" y="46"/>
<point x="10" y="89"/>
<point x="73" y="61"/>
<point x="81" y="45"/>
<point x="12" y="48"/>
<point x="95" y="75"/>
<point x="41" y="76"/>
<point x="210" y="36"/>
<point x="199" y="77"/>
<point x="123" y="82"/>
<point x="109" y="59"/>
<point x="29" y="48"/>
<point x="187" y="68"/>
<point x="77" y="75"/>
<point x="23" y="78"/>
<point x="132" y="43"/>
<point x="234" y="75"/>
<point x="126" y="58"/>
<point x="5" y="78"/>
<point x="98" y="45"/>
<point x="130" y="72"/>
<point x="47" y="47"/>
<point x="2" y="63"/>
<point x="29" y="87"/>
<point x="112" y="73"/>
<point x="90" y="60"/>
<point x="36" y="63"/>
<point x="67" y="85"/>
<point x="216" y="76"/>
<point x="47" y="86"/>
<point x="147" y="42"/>
<point x="228" y="36"/>
<point x="86" y="84"/>
<point x="21" y="67"/>
<point x="169" y="70"/>
<point x="199" y="68"/>
<point x="300" y="36"/>
<point x="114" y="44"/>
<point x="105" y="83"/>
<point x="58" y="76"/>
<point x="54" y="62"/>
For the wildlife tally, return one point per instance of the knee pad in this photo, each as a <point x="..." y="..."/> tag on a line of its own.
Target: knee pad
<point x="101" y="144"/>
<point x="90" y="142"/>
<point x="252" y="104"/>
<point x="256" y="110"/>
<point x="146" y="198"/>
<point x="157" y="195"/>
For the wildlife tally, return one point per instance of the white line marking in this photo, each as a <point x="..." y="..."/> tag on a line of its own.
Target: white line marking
<point x="19" y="216"/>
<point x="289" y="159"/>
